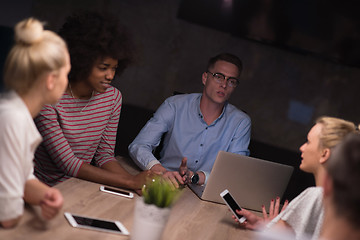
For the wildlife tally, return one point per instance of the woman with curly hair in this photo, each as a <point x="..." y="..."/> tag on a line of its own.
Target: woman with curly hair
<point x="79" y="131"/>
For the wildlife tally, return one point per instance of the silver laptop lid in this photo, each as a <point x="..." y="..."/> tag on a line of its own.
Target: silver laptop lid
<point x="252" y="182"/>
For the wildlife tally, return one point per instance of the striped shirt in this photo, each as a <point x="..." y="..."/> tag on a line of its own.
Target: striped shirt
<point x="75" y="132"/>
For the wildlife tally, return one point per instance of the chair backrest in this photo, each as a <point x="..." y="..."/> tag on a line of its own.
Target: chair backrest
<point x="132" y="120"/>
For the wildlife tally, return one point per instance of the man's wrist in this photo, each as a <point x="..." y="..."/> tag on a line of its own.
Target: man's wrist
<point x="152" y="163"/>
<point x="158" y="168"/>
<point x="202" y="177"/>
<point x="195" y="178"/>
<point x="198" y="178"/>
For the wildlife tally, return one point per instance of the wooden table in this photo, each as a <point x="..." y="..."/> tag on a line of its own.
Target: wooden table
<point x="190" y="217"/>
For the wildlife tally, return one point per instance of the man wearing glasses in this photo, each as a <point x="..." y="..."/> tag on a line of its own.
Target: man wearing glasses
<point x="196" y="127"/>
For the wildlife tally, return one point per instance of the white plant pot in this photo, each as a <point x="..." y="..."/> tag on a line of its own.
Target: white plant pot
<point x="149" y="221"/>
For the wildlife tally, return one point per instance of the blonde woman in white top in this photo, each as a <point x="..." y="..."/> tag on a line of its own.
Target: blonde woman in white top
<point x="35" y="74"/>
<point x="304" y="214"/>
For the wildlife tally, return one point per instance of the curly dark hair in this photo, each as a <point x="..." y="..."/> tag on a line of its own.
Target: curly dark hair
<point x="92" y="35"/>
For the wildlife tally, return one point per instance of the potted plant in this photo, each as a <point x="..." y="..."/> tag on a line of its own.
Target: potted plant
<point x="152" y="210"/>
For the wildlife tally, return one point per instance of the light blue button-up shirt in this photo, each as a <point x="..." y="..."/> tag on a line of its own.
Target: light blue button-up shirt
<point x="188" y="135"/>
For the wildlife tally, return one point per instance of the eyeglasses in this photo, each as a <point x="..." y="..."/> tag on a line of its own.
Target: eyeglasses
<point x="220" y="78"/>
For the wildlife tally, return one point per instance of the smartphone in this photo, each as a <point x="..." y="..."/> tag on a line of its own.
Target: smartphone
<point x="232" y="204"/>
<point x="96" y="224"/>
<point x="117" y="191"/>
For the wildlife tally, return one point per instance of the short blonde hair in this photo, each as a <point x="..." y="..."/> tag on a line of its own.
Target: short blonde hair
<point x="333" y="131"/>
<point x="36" y="51"/>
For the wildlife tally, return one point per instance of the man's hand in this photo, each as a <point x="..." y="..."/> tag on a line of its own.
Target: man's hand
<point x="51" y="203"/>
<point x="174" y="178"/>
<point x="184" y="171"/>
<point x="183" y="167"/>
<point x="141" y="178"/>
<point x="158" y="169"/>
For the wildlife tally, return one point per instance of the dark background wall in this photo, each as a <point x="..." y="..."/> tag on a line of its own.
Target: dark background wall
<point x="282" y="91"/>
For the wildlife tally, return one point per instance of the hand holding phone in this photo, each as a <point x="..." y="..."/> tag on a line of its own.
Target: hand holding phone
<point x="232" y="204"/>
<point x="96" y="224"/>
<point x="116" y="191"/>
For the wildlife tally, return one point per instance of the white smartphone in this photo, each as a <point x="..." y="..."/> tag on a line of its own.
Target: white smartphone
<point x="232" y="204"/>
<point x="117" y="191"/>
<point x="96" y="224"/>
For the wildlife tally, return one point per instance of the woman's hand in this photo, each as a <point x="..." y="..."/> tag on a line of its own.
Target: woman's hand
<point x="255" y="222"/>
<point x="51" y="203"/>
<point x="273" y="209"/>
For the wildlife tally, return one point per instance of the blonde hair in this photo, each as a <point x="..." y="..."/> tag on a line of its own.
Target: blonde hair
<point x="36" y="51"/>
<point x="333" y="131"/>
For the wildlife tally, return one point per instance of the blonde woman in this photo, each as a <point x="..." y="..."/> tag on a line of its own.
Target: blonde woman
<point x="304" y="214"/>
<point x="35" y="74"/>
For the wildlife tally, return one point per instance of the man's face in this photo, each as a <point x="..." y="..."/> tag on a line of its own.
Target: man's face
<point x="219" y="92"/>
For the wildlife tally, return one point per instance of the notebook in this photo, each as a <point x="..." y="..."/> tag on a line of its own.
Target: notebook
<point x="251" y="181"/>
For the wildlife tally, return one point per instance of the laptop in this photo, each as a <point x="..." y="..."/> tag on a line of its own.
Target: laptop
<point x="251" y="181"/>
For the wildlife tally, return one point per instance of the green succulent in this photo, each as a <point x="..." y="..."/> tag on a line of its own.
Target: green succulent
<point x="160" y="193"/>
